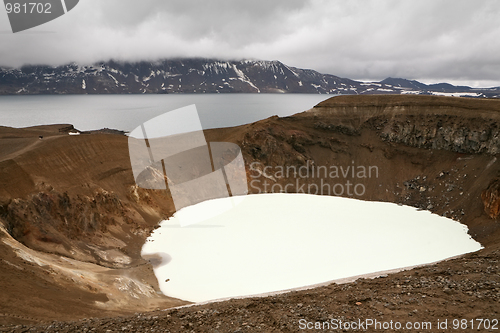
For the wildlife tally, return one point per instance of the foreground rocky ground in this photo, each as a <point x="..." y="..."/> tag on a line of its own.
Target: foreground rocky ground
<point x="466" y="288"/>
<point x="72" y="220"/>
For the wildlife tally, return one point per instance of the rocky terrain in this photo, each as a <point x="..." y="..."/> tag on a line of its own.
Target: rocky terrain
<point x="460" y="289"/>
<point x="206" y="76"/>
<point x="73" y="221"/>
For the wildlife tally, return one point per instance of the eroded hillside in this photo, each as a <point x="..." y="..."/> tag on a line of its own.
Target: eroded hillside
<point x="73" y="220"/>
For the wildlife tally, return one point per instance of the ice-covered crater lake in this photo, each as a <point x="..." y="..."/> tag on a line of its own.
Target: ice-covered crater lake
<point x="274" y="242"/>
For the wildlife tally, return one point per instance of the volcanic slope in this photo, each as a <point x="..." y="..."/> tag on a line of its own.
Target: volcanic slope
<point x="74" y="221"/>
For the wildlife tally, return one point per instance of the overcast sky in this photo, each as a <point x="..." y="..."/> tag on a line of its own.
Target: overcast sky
<point x="431" y="41"/>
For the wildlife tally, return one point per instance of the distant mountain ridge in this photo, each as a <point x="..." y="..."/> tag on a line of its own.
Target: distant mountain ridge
<point x="207" y="76"/>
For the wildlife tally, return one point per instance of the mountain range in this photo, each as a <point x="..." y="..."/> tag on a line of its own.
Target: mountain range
<point x="207" y="76"/>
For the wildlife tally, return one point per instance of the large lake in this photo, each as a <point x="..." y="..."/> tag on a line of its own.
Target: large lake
<point x="125" y="112"/>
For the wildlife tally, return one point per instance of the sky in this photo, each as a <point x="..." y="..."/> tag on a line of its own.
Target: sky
<point x="431" y="41"/>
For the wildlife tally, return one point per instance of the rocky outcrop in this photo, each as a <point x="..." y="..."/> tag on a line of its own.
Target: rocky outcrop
<point x="461" y="125"/>
<point x="445" y="133"/>
<point x="491" y="199"/>
<point x="72" y="226"/>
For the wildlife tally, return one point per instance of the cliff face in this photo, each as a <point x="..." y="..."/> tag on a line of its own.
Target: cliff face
<point x="491" y="199"/>
<point x="72" y="226"/>
<point x="472" y="136"/>
<point x="458" y="125"/>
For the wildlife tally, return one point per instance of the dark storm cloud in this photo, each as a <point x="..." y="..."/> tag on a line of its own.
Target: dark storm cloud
<point x="430" y="40"/>
<point x="222" y="20"/>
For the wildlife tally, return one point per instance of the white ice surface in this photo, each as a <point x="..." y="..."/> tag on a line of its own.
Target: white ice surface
<point x="272" y="242"/>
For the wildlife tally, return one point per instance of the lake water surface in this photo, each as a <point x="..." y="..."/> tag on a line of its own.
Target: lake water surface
<point x="125" y="112"/>
<point x="273" y="242"/>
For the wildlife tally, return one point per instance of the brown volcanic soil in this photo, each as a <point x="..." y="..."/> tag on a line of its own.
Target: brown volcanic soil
<point x="74" y="221"/>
